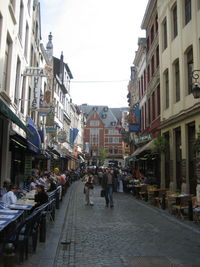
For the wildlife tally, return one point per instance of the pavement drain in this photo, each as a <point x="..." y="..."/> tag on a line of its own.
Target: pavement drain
<point x="148" y="261"/>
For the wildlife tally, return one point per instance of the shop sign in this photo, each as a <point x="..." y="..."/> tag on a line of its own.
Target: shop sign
<point x="51" y="130"/>
<point x="127" y="150"/>
<point x="33" y="71"/>
<point x="44" y="111"/>
<point x="142" y="139"/>
<point x="62" y="137"/>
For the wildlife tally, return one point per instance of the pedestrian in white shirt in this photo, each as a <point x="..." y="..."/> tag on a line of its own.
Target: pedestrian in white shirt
<point x="10" y="197"/>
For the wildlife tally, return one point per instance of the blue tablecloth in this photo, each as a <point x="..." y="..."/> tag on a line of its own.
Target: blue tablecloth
<point x="7" y="216"/>
<point x="20" y="207"/>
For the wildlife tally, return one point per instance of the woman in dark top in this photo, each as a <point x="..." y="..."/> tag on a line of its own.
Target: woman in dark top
<point x="41" y="197"/>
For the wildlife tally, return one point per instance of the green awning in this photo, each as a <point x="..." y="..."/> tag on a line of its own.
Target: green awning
<point x="8" y="113"/>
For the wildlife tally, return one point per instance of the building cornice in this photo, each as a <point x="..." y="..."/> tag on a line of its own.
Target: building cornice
<point x="182" y="115"/>
<point x="148" y="12"/>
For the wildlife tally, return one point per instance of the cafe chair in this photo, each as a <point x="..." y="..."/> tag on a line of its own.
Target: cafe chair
<point x="50" y="209"/>
<point x="143" y="192"/>
<point x="160" y="198"/>
<point x="196" y="210"/>
<point x="20" y="236"/>
<point x="170" y="202"/>
<point x="182" y="207"/>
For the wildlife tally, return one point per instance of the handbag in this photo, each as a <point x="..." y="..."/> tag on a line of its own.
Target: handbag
<point x="102" y="193"/>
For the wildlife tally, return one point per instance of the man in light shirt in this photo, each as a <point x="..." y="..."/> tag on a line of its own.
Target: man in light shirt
<point x="107" y="184"/>
<point x="10" y="197"/>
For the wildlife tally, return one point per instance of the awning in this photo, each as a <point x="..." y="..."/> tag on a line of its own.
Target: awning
<point x="147" y="147"/>
<point x="8" y="113"/>
<point x="34" y="141"/>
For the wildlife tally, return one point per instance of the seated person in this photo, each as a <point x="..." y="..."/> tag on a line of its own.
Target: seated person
<point x="33" y="184"/>
<point x="10" y="197"/>
<point x="5" y="188"/>
<point x="52" y="184"/>
<point x="41" y="196"/>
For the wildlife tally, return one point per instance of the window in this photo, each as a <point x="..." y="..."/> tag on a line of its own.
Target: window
<point x="116" y="150"/>
<point x="158" y="100"/>
<point x="189" y="59"/>
<point x="147" y="44"/>
<point x="94" y="123"/>
<point x="29" y="100"/>
<point x="148" y="74"/>
<point x="17" y="81"/>
<point x="144" y="81"/>
<point x="149" y="111"/>
<point x="153" y="106"/>
<point x="115" y="139"/>
<point x="23" y="94"/>
<point x="110" y="150"/>
<point x="177" y="80"/>
<point x="26" y="41"/>
<point x="152" y="33"/>
<point x="7" y="64"/>
<point x="156" y="22"/>
<point x="110" y="140"/>
<point x="94" y="131"/>
<point x="157" y="56"/>
<point x="164" y="24"/>
<point x="198" y="4"/>
<point x="174" y="21"/>
<point x="188" y="11"/>
<point x="152" y="65"/>
<point x="142" y="86"/>
<point x="166" y="86"/>
<point x="21" y="17"/>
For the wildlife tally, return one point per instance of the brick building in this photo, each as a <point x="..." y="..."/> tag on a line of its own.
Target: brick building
<point x="103" y="132"/>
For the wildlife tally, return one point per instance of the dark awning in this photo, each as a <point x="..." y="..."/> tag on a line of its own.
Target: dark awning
<point x="34" y="141"/>
<point x="8" y="113"/>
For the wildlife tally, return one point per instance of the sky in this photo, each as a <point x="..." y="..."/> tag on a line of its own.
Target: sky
<point x="99" y="40"/>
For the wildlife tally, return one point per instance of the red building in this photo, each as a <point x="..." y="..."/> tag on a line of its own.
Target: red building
<point x="102" y="135"/>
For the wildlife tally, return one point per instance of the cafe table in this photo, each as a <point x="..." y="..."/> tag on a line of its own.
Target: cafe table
<point x="23" y="204"/>
<point x="8" y="216"/>
<point x="30" y="195"/>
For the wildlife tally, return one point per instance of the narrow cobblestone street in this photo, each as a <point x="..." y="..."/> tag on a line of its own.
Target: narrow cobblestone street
<point x="133" y="233"/>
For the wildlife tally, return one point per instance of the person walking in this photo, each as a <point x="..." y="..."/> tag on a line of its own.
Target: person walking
<point x="107" y="184"/>
<point x="88" y="190"/>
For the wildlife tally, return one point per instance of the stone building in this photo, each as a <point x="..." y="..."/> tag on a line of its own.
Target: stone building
<point x="179" y="41"/>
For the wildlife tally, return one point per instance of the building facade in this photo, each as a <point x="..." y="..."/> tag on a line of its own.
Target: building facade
<point x="102" y="133"/>
<point x="179" y="41"/>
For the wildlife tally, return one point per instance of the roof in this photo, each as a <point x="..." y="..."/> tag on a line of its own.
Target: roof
<point x="109" y="116"/>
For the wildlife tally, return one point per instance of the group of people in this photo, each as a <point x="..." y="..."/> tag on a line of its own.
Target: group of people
<point x="40" y="182"/>
<point x="111" y="180"/>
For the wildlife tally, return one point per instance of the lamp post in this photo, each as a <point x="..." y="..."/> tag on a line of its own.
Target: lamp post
<point x="196" y="83"/>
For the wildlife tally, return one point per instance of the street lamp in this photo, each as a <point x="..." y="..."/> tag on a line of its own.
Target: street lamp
<point x="196" y="84"/>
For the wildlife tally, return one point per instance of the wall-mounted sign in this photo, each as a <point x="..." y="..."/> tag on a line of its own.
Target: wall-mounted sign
<point x="44" y="111"/>
<point x="36" y="72"/>
<point x="142" y="139"/>
<point x="51" y="130"/>
<point x="62" y="137"/>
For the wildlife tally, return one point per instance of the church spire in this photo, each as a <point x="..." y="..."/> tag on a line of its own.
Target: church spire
<point x="49" y="46"/>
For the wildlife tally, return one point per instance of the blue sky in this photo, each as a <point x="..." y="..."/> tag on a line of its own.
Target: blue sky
<point x="98" y="39"/>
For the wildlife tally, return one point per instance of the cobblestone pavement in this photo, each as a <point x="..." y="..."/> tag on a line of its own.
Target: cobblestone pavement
<point x="133" y="233"/>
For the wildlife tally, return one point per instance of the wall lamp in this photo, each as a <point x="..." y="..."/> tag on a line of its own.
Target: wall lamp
<point x="196" y="84"/>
